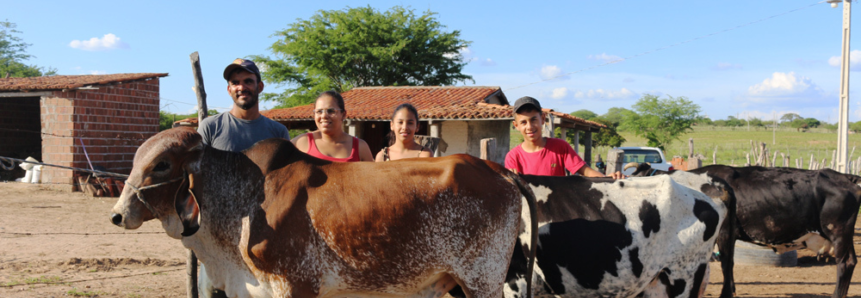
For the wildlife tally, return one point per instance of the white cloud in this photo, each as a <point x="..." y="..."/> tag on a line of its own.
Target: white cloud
<point x="606" y="58"/>
<point x="559" y="93"/>
<point x="623" y="93"/>
<point x="465" y="53"/>
<point x="783" y="84"/>
<point x="854" y="60"/>
<point x="549" y="72"/>
<point x="98" y="72"/>
<point x="488" y="62"/>
<point x="107" y="42"/>
<point x="727" y="66"/>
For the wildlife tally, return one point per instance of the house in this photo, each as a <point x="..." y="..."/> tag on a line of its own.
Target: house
<point x="460" y="116"/>
<point x="68" y="120"/>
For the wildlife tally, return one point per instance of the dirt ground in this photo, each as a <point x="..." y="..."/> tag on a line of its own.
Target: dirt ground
<point x="57" y="243"/>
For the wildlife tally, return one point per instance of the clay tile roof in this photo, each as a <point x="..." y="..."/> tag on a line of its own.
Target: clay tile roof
<point x="432" y="102"/>
<point x="70" y="82"/>
<point x="574" y="118"/>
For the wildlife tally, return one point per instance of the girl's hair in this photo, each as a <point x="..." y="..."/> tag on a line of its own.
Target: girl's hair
<point x="400" y="107"/>
<point x="336" y="96"/>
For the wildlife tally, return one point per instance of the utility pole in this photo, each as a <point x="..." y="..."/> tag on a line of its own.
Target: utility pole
<point x="843" y="122"/>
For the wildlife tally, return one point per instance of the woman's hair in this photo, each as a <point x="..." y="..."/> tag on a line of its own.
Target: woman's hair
<point x="402" y="106"/>
<point x="336" y="96"/>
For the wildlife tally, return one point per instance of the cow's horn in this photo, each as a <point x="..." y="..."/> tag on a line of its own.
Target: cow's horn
<point x="632" y="164"/>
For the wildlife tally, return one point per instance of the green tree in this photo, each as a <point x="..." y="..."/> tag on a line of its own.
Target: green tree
<point x="789" y="117"/>
<point x="617" y="115"/>
<point x="661" y="121"/>
<point x="856" y="127"/>
<point x="166" y="119"/>
<point x="585" y="114"/>
<point x="811" y="122"/>
<point x="343" y="49"/>
<point x="13" y="51"/>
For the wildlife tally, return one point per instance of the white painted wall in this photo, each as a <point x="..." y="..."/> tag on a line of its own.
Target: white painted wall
<point x="455" y="134"/>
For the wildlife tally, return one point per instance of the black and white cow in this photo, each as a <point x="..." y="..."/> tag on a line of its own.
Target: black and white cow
<point x="605" y="238"/>
<point x="788" y="209"/>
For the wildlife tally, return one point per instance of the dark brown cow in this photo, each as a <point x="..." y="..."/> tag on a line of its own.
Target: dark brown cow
<point x="275" y="222"/>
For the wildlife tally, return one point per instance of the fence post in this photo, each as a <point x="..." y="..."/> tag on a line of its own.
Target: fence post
<point x="615" y="161"/>
<point x="695" y="162"/>
<point x="690" y="147"/>
<point x="488" y="148"/>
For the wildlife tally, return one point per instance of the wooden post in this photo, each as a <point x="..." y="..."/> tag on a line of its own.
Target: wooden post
<point x="810" y="165"/>
<point x="714" y="156"/>
<point x="587" y="150"/>
<point x="615" y="161"/>
<point x="690" y="147"/>
<point x="774" y="159"/>
<point x="822" y="164"/>
<point x="436" y="132"/>
<point x="747" y="164"/>
<point x="833" y="158"/>
<point x="202" y="112"/>
<point x="577" y="141"/>
<point x="488" y="148"/>
<point x="198" y="88"/>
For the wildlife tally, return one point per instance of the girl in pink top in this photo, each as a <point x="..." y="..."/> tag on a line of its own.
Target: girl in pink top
<point x="402" y="144"/>
<point x="329" y="141"/>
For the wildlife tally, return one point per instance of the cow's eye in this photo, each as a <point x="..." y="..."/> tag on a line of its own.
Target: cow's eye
<point x="161" y="167"/>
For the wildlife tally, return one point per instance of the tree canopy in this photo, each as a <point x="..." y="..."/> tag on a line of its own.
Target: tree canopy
<point x="661" y="121"/>
<point x="789" y="117"/>
<point x="584" y="113"/>
<point x="13" y="53"/>
<point x="343" y="49"/>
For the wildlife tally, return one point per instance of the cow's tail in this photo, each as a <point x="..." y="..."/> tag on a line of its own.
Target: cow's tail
<point x="533" y="244"/>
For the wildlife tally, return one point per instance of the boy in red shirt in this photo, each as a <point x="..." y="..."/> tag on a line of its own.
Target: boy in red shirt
<point x="542" y="156"/>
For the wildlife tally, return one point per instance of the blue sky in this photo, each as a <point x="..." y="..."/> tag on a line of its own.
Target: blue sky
<point x="784" y="63"/>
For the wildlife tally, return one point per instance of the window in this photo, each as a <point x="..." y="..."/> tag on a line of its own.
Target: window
<point x="636" y="155"/>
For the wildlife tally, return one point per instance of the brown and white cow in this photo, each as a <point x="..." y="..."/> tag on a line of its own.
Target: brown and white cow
<point x="275" y="222"/>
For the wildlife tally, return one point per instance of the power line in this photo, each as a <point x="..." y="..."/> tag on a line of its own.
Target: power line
<point x="669" y="46"/>
<point x="12" y="161"/>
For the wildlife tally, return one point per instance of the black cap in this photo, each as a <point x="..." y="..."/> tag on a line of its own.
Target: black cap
<point x="524" y="101"/>
<point x="247" y="65"/>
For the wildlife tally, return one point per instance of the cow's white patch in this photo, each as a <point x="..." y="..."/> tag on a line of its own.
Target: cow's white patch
<point x="542" y="193"/>
<point x="830" y="226"/>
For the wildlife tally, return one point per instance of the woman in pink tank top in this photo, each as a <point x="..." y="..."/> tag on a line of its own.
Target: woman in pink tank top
<point x="329" y="141"/>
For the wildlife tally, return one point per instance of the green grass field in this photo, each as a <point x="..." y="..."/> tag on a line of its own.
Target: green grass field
<point x="733" y="143"/>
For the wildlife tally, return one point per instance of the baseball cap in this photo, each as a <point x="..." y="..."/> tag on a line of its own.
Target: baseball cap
<point x="247" y="65"/>
<point x="524" y="101"/>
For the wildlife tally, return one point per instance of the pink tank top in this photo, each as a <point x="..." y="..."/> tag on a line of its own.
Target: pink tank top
<point x="312" y="150"/>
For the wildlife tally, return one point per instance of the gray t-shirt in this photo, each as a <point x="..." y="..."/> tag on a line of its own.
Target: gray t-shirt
<point x="226" y="132"/>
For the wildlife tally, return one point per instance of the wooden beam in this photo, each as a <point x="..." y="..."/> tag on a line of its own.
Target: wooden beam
<point x="198" y="88"/>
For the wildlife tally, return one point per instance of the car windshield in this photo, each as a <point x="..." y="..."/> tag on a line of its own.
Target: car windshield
<point x="635" y="155"/>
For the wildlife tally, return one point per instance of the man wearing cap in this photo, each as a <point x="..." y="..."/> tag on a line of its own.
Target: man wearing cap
<point x="243" y="125"/>
<point x="542" y="156"/>
<point x="239" y="128"/>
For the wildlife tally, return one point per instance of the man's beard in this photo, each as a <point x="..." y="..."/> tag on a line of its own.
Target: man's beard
<point x="250" y="103"/>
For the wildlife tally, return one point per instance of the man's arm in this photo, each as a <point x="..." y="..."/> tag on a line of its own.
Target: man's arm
<point x="587" y="171"/>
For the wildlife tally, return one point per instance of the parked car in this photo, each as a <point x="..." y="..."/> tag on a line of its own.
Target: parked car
<point x="652" y="155"/>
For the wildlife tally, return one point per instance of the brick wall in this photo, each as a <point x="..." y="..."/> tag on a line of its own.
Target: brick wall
<point x="113" y="121"/>
<point x="56" y="116"/>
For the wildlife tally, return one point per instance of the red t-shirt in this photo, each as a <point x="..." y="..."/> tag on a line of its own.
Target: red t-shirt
<point x="552" y="160"/>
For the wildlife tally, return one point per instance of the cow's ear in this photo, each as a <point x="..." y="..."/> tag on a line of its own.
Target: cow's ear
<point x="187" y="208"/>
